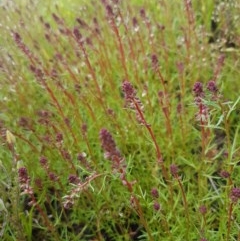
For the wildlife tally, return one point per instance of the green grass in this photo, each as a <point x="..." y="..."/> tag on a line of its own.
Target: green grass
<point x="109" y="127"/>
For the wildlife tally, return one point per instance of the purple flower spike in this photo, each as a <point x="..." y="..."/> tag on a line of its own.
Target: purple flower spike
<point x="108" y="144"/>
<point x="128" y="90"/>
<point x="198" y="89"/>
<point x="212" y="87"/>
<point x="235" y="194"/>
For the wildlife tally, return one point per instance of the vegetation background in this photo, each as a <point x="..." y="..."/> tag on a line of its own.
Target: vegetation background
<point x="119" y="120"/>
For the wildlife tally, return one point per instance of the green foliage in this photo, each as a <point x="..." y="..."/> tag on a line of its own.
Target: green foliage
<point x="119" y="120"/>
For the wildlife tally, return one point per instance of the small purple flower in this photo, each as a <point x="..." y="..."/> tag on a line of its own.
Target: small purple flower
<point x="111" y="112"/>
<point x="221" y="60"/>
<point x="59" y="137"/>
<point x="235" y="194"/>
<point x="82" y="23"/>
<point x="156" y="206"/>
<point x="52" y="176"/>
<point x="43" y="160"/>
<point x="84" y="128"/>
<point x="132" y="101"/>
<point x="135" y="22"/>
<point x="174" y="169"/>
<point x="128" y="90"/>
<point x="44" y="113"/>
<point x="143" y="13"/>
<point x="17" y="37"/>
<point x="38" y="183"/>
<point x="212" y="87"/>
<point x="81" y="156"/>
<point x="66" y="155"/>
<point x="109" y="11"/>
<point x="67" y="121"/>
<point x="155" y="193"/>
<point x="155" y="62"/>
<point x="108" y="145"/>
<point x="224" y="174"/>
<point x="47" y="26"/>
<point x="179" y="108"/>
<point x="23" y="122"/>
<point x="23" y="175"/>
<point x="198" y="89"/>
<point x="73" y="179"/>
<point x="77" y="34"/>
<point x="180" y="67"/>
<point x="57" y="19"/>
<point x="160" y="94"/>
<point x="203" y="209"/>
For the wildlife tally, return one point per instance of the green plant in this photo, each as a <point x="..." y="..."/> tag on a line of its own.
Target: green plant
<point x="119" y="121"/>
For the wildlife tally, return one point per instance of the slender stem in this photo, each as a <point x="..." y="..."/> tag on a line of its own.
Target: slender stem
<point x="158" y="151"/>
<point x="157" y="148"/>
<point x="184" y="203"/>
<point x="142" y="219"/>
<point x="120" y="45"/>
<point x="229" y="221"/>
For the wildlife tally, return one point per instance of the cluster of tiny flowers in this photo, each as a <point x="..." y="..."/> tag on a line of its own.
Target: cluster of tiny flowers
<point x="24" y="122"/>
<point x="203" y="209"/>
<point x="212" y="87"/>
<point x="108" y="145"/>
<point x="111" y="151"/>
<point x="73" y="179"/>
<point x="198" y="89"/>
<point x="59" y="137"/>
<point x="155" y="195"/>
<point x="24" y="181"/>
<point x="132" y="101"/>
<point x="155" y="62"/>
<point x="224" y="174"/>
<point x="199" y="94"/>
<point x="82" y="158"/>
<point x="128" y="90"/>
<point x="44" y="163"/>
<point x="174" y="169"/>
<point x="235" y="194"/>
<point x="18" y="40"/>
<point x="78" y="187"/>
<point x="156" y="206"/>
<point x="202" y="114"/>
<point x="23" y="175"/>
